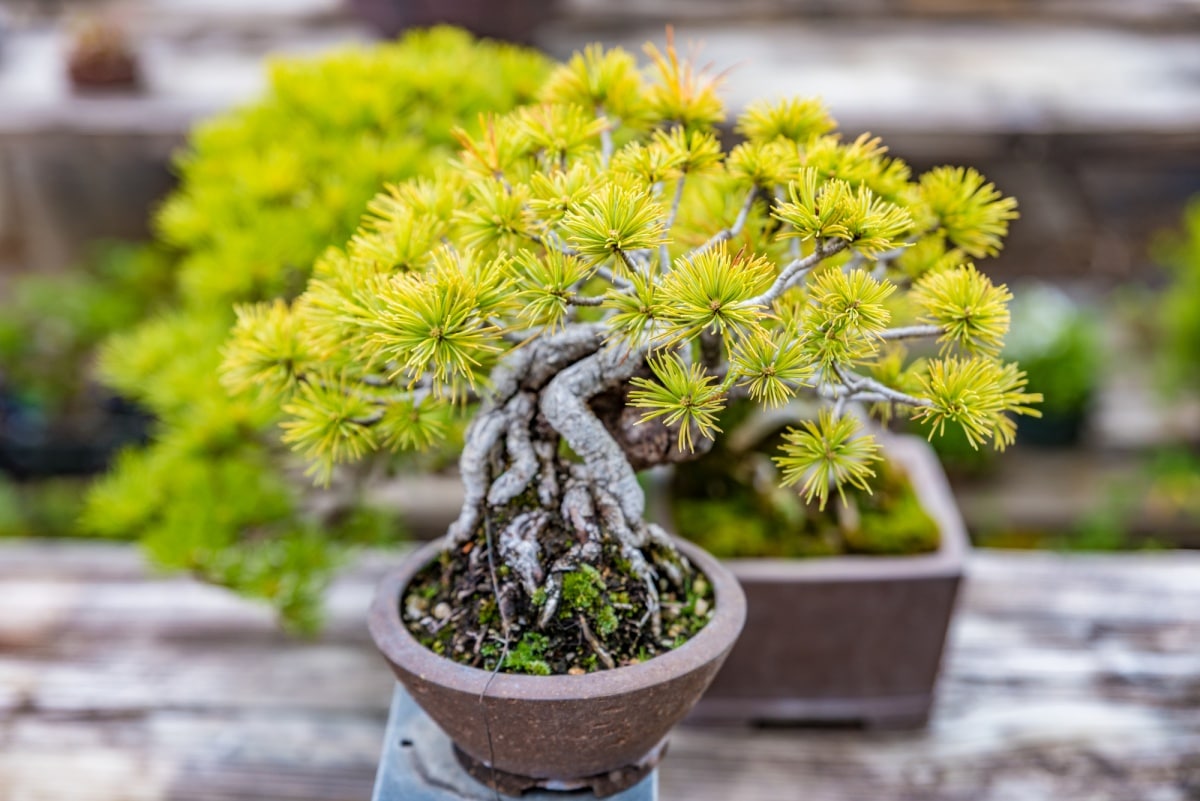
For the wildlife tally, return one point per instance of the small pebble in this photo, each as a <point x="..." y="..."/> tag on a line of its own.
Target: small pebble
<point x="415" y="607"/>
<point x="701" y="607"/>
<point x="700" y="586"/>
<point x="577" y="671"/>
<point x="441" y="611"/>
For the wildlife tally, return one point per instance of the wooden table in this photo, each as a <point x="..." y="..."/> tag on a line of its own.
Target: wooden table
<point x="1068" y="677"/>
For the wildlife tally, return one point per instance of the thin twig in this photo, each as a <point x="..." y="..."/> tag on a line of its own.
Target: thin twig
<point x="664" y="255"/>
<point x="732" y="231"/>
<point x="912" y="332"/>
<point x="584" y="300"/>
<point x="796" y="269"/>
<point x="856" y="382"/>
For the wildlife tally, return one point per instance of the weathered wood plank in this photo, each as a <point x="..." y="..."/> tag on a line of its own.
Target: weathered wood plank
<point x="1067" y="677"/>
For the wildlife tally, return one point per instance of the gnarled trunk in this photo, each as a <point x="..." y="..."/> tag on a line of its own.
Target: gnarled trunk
<point x="551" y="485"/>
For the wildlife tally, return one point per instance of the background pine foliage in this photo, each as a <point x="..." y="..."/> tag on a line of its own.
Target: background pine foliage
<point x="264" y="191"/>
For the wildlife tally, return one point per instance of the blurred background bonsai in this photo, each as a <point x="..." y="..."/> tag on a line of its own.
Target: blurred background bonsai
<point x="264" y="190"/>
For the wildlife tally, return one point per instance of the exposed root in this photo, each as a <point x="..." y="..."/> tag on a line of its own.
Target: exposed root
<point x="523" y="461"/>
<point x="666" y="556"/>
<point x="521" y="550"/>
<point x="483" y="435"/>
<point x="548" y="486"/>
<point x="551" y="547"/>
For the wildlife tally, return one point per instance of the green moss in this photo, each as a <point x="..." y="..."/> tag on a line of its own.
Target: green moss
<point x="527" y="656"/>
<point x="582" y="589"/>
<point x="488" y="612"/>
<point x="606" y="621"/>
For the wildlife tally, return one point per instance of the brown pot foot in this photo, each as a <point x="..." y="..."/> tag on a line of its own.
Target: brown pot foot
<point x="603" y="785"/>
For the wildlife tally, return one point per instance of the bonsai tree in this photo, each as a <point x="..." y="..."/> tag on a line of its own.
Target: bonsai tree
<point x="264" y="190"/>
<point x="602" y="277"/>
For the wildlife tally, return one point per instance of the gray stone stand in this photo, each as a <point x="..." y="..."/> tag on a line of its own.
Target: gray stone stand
<point x="418" y="764"/>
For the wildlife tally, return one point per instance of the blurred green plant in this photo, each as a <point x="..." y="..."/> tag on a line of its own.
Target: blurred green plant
<point x="46" y="508"/>
<point x="1178" y="312"/>
<point x="1057" y="342"/>
<point x="50" y="325"/>
<point x="265" y="190"/>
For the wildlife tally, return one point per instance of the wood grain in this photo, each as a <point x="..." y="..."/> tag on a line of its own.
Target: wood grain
<point x="1067" y="677"/>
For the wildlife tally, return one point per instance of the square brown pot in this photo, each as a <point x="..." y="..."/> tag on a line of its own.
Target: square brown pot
<point x="847" y="638"/>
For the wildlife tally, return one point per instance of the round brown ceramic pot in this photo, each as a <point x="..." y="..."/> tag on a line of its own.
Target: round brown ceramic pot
<point x="560" y="730"/>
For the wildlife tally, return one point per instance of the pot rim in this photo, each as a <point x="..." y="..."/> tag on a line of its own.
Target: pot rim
<point x="400" y="647"/>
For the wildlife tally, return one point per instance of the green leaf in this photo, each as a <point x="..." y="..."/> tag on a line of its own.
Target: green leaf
<point x="617" y="218"/>
<point x="795" y="119"/>
<point x="977" y="394"/>
<point x="771" y="366"/>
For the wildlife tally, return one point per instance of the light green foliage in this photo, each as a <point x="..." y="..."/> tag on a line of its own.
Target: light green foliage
<point x="827" y="452"/>
<point x="768" y="271"/>
<point x="971" y="310"/>
<point x="266" y="191"/>
<point x="972" y="212"/>
<point x="684" y="396"/>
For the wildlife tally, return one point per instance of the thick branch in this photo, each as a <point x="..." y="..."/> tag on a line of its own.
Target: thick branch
<point x="564" y="404"/>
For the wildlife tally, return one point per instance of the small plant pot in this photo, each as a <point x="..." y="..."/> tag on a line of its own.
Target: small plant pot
<point x="603" y="730"/>
<point x="847" y="639"/>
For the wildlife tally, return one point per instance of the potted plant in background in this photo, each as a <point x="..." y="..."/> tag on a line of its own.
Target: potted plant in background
<point x="264" y="189"/>
<point x="603" y="278"/>
<point x="1056" y="341"/>
<point x="867" y="620"/>
<point x="54" y="418"/>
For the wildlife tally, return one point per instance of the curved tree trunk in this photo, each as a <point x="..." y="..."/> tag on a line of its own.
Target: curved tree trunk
<point x="542" y="510"/>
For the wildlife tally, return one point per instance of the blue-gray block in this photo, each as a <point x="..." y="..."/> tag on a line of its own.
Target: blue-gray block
<point x="418" y="764"/>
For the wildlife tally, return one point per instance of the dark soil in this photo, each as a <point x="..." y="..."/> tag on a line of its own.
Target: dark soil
<point x="451" y="607"/>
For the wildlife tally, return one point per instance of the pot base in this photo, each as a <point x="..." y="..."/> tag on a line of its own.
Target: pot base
<point x="418" y="764"/>
<point x="603" y="785"/>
